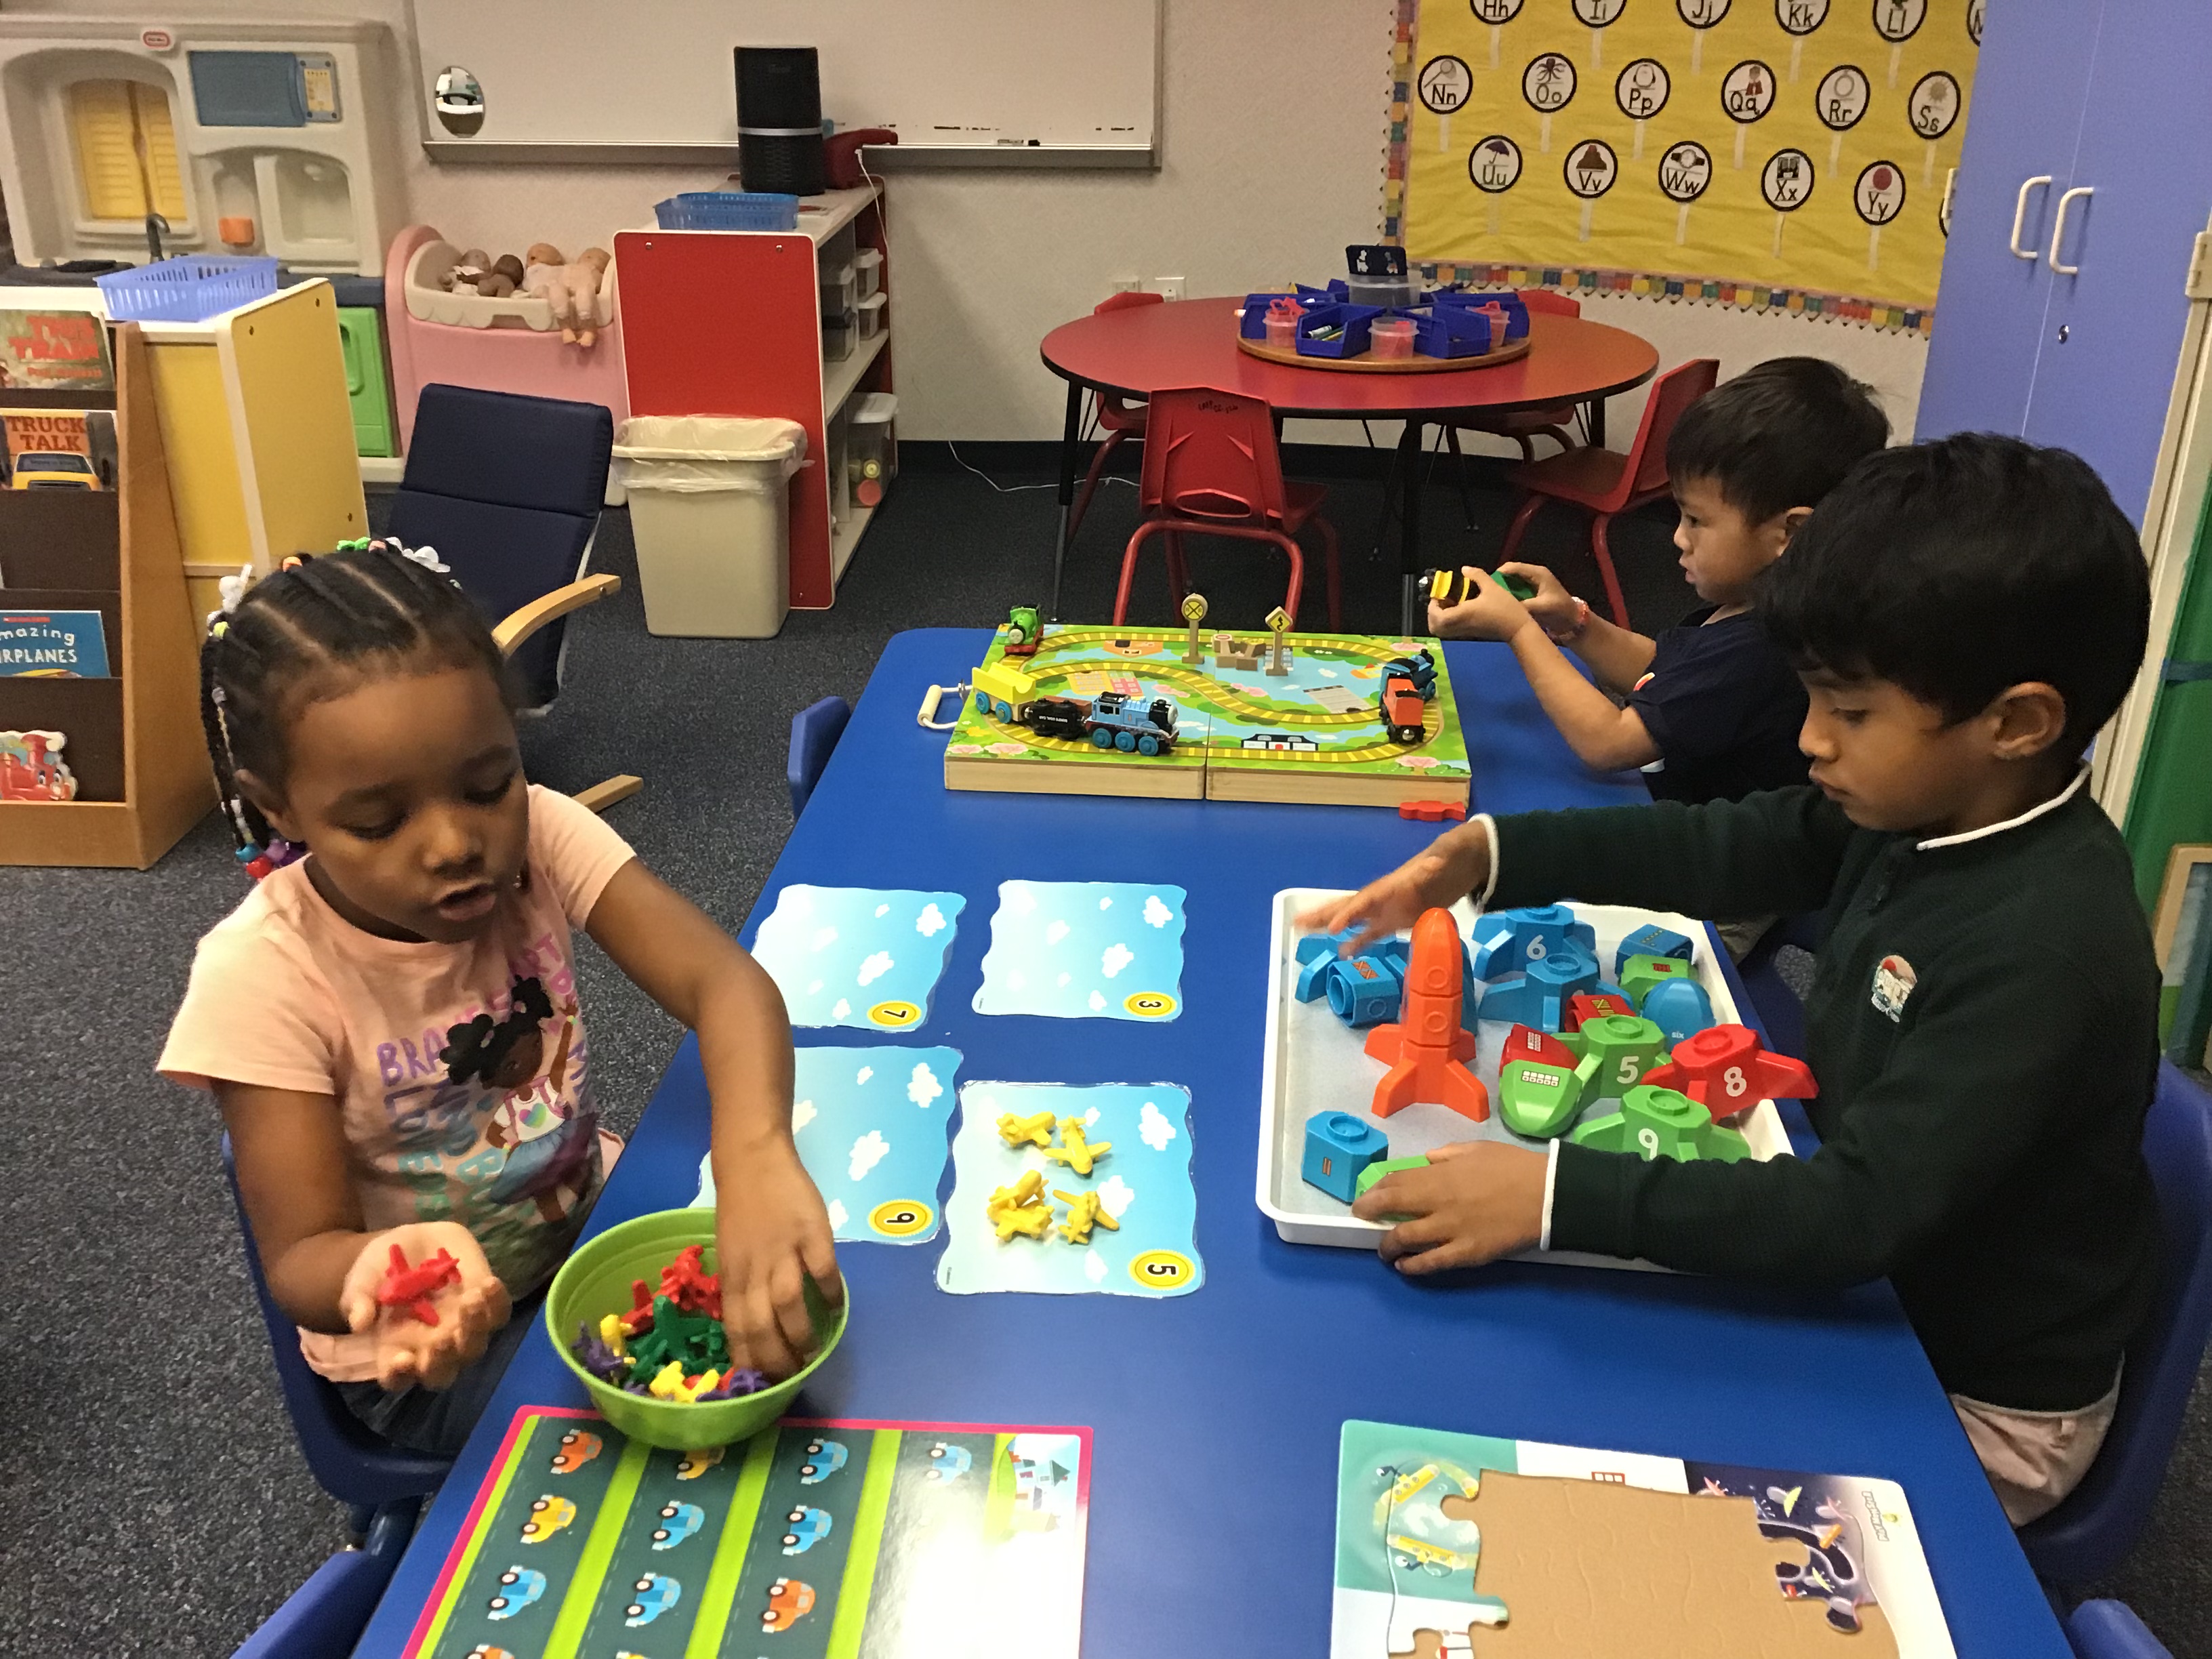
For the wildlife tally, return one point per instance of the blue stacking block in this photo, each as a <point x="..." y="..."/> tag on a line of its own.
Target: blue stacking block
<point x="1509" y="940"/>
<point x="1316" y="955"/>
<point x="1538" y="998"/>
<point x="1652" y="940"/>
<point x="1680" y="1007"/>
<point x="1338" y="1147"/>
<point x="1367" y="990"/>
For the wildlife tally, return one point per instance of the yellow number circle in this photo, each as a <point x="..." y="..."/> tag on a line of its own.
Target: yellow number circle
<point x="1162" y="1270"/>
<point x="1150" y="1005"/>
<point x="895" y="1016"/>
<point x="902" y="1217"/>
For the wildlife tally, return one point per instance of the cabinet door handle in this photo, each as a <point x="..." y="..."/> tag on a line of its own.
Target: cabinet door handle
<point x="2019" y="216"/>
<point x="2058" y="228"/>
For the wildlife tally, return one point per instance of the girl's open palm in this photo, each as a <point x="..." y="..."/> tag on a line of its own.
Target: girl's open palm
<point x="1456" y="863"/>
<point x="409" y="1353"/>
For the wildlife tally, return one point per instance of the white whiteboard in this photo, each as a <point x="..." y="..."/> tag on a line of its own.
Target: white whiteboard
<point x="989" y="83"/>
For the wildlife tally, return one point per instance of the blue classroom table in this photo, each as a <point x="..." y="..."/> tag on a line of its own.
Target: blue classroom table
<point x="1216" y="1414"/>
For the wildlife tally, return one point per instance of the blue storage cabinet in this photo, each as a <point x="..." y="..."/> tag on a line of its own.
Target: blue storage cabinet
<point x="2107" y="97"/>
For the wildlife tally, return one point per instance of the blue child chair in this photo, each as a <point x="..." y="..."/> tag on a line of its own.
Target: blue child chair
<point x="351" y="1463"/>
<point x="2083" y="1540"/>
<point x="2110" y="1630"/>
<point x="324" y="1617"/>
<point x="814" y="735"/>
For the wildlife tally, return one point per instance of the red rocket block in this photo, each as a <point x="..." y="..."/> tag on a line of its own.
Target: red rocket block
<point x="1428" y="1049"/>
<point x="1726" y="1071"/>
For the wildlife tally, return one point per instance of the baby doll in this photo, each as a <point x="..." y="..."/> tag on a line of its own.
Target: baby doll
<point x="570" y="288"/>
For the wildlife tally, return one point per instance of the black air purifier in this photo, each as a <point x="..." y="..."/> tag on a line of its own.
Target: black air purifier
<point x="780" y="121"/>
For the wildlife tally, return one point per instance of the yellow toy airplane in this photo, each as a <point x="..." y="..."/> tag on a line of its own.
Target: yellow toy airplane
<point x="1025" y="1131"/>
<point x="1084" y="1210"/>
<point x="1074" y="1150"/>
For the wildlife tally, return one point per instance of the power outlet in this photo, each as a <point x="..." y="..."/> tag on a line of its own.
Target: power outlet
<point x="1168" y="288"/>
<point x="1129" y="284"/>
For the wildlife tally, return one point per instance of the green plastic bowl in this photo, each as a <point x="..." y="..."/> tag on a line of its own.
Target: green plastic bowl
<point x="595" y="1282"/>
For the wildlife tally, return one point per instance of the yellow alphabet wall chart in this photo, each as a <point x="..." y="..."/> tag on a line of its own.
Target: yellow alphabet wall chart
<point x="1789" y="153"/>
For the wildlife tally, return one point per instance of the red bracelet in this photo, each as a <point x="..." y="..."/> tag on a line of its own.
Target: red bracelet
<point x="1581" y="621"/>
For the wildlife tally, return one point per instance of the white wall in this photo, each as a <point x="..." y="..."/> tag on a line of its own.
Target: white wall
<point x="1272" y="161"/>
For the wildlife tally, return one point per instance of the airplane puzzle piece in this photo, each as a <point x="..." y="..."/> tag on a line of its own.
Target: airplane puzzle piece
<point x="1026" y="1131"/>
<point x="1617" y="1050"/>
<point x="1078" y="1154"/>
<point x="1727" y="1070"/>
<point x="1021" y="1208"/>
<point x="1539" y="997"/>
<point x="1655" y="1122"/>
<point x="1084" y="1212"/>
<point x="1512" y="941"/>
<point x="413" y="1288"/>
<point x="1537" y="1100"/>
<point x="1641" y="973"/>
<point x="1678" y="1007"/>
<point x="1653" y="940"/>
<point x="1427" y="1049"/>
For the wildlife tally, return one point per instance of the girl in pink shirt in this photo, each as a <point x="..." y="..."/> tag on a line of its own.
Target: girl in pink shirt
<point x="389" y="1024"/>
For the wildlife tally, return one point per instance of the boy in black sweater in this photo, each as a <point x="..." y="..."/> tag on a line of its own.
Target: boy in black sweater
<point x="1712" y="707"/>
<point x="1966" y="615"/>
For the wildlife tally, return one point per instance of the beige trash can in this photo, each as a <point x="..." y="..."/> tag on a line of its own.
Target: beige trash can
<point x="710" y="509"/>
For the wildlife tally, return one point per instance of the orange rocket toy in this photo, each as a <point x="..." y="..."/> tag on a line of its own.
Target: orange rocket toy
<point x="1427" y="1050"/>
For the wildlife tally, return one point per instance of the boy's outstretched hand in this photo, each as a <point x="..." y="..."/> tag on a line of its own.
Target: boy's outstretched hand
<point x="1475" y="1201"/>
<point x="1457" y="864"/>
<point x="409" y="1353"/>
<point x="1488" y="612"/>
<point x="772" y="1234"/>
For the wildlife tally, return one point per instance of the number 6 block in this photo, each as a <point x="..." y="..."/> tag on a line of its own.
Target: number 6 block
<point x="1726" y="1071"/>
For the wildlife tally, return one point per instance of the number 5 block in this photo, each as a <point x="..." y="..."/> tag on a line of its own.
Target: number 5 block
<point x="1726" y="1071"/>
<point x="1618" y="1052"/>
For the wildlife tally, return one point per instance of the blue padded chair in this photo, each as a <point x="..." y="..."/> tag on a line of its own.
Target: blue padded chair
<point x="324" y="1617"/>
<point x="814" y="735"/>
<point x="2083" y="1540"/>
<point x="2110" y="1630"/>
<point x="1779" y="1008"/>
<point x="507" y="490"/>
<point x="352" y="1464"/>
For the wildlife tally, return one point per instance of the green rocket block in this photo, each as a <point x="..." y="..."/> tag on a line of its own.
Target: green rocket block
<point x="1640" y="974"/>
<point x="1655" y="1122"/>
<point x="1537" y="1100"/>
<point x="1375" y="1172"/>
<point x="1617" y="1050"/>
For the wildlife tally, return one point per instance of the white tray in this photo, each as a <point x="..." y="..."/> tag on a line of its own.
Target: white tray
<point x="1315" y="1063"/>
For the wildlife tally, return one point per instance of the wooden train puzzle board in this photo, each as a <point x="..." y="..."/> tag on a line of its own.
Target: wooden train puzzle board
<point x="1465" y="1544"/>
<point x="1314" y="735"/>
<point x="811" y="1541"/>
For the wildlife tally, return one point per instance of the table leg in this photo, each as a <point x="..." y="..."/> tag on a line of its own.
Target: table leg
<point x="1409" y="524"/>
<point x="1070" y="440"/>
<point x="1598" y="422"/>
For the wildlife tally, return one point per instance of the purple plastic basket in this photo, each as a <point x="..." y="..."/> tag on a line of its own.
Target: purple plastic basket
<point x="189" y="288"/>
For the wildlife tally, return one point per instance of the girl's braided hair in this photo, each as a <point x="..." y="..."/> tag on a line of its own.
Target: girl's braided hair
<point x="316" y="628"/>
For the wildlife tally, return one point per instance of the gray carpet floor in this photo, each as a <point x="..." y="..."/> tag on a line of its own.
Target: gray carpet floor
<point x="152" y="1499"/>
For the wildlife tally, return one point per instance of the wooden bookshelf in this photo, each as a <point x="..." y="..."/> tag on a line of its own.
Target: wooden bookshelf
<point x="136" y="745"/>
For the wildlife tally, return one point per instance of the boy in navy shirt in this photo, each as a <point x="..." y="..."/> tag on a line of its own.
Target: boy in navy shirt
<point x="1712" y="708"/>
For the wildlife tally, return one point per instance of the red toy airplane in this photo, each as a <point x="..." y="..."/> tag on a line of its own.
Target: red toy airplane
<point x="1428" y="1049"/>
<point x="412" y="1288"/>
<point x="1727" y="1070"/>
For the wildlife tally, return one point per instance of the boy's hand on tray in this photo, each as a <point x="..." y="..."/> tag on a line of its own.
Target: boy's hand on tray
<point x="1457" y="864"/>
<point x="772" y="1234"/>
<point x="1488" y="612"/>
<point x="1473" y="1202"/>
<point x="470" y="1304"/>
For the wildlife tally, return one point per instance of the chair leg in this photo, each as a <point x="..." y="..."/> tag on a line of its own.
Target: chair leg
<point x="1527" y="510"/>
<point x="1604" y="552"/>
<point x="1288" y="545"/>
<point x="1559" y="435"/>
<point x="1459" y="477"/>
<point x="1090" y="481"/>
<point x="1129" y="570"/>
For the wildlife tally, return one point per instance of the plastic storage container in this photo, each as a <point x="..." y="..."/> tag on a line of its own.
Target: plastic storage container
<point x="710" y="512"/>
<point x="1453" y="331"/>
<point x="1339" y="331"/>
<point x="1391" y="337"/>
<point x="871" y="316"/>
<point x="868" y="270"/>
<point x="838" y="334"/>
<point x="727" y="209"/>
<point x="1385" y="291"/>
<point x="188" y="289"/>
<point x="840" y="291"/>
<point x="872" y="459"/>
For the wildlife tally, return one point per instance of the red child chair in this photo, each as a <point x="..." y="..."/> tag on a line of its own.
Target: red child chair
<point x="1211" y="468"/>
<point x="1605" y="484"/>
<point x="1117" y="418"/>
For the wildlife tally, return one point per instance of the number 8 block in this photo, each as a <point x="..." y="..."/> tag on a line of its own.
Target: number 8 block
<point x="1726" y="1071"/>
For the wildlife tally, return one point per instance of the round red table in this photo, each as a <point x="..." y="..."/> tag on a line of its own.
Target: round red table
<point x="1142" y="349"/>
